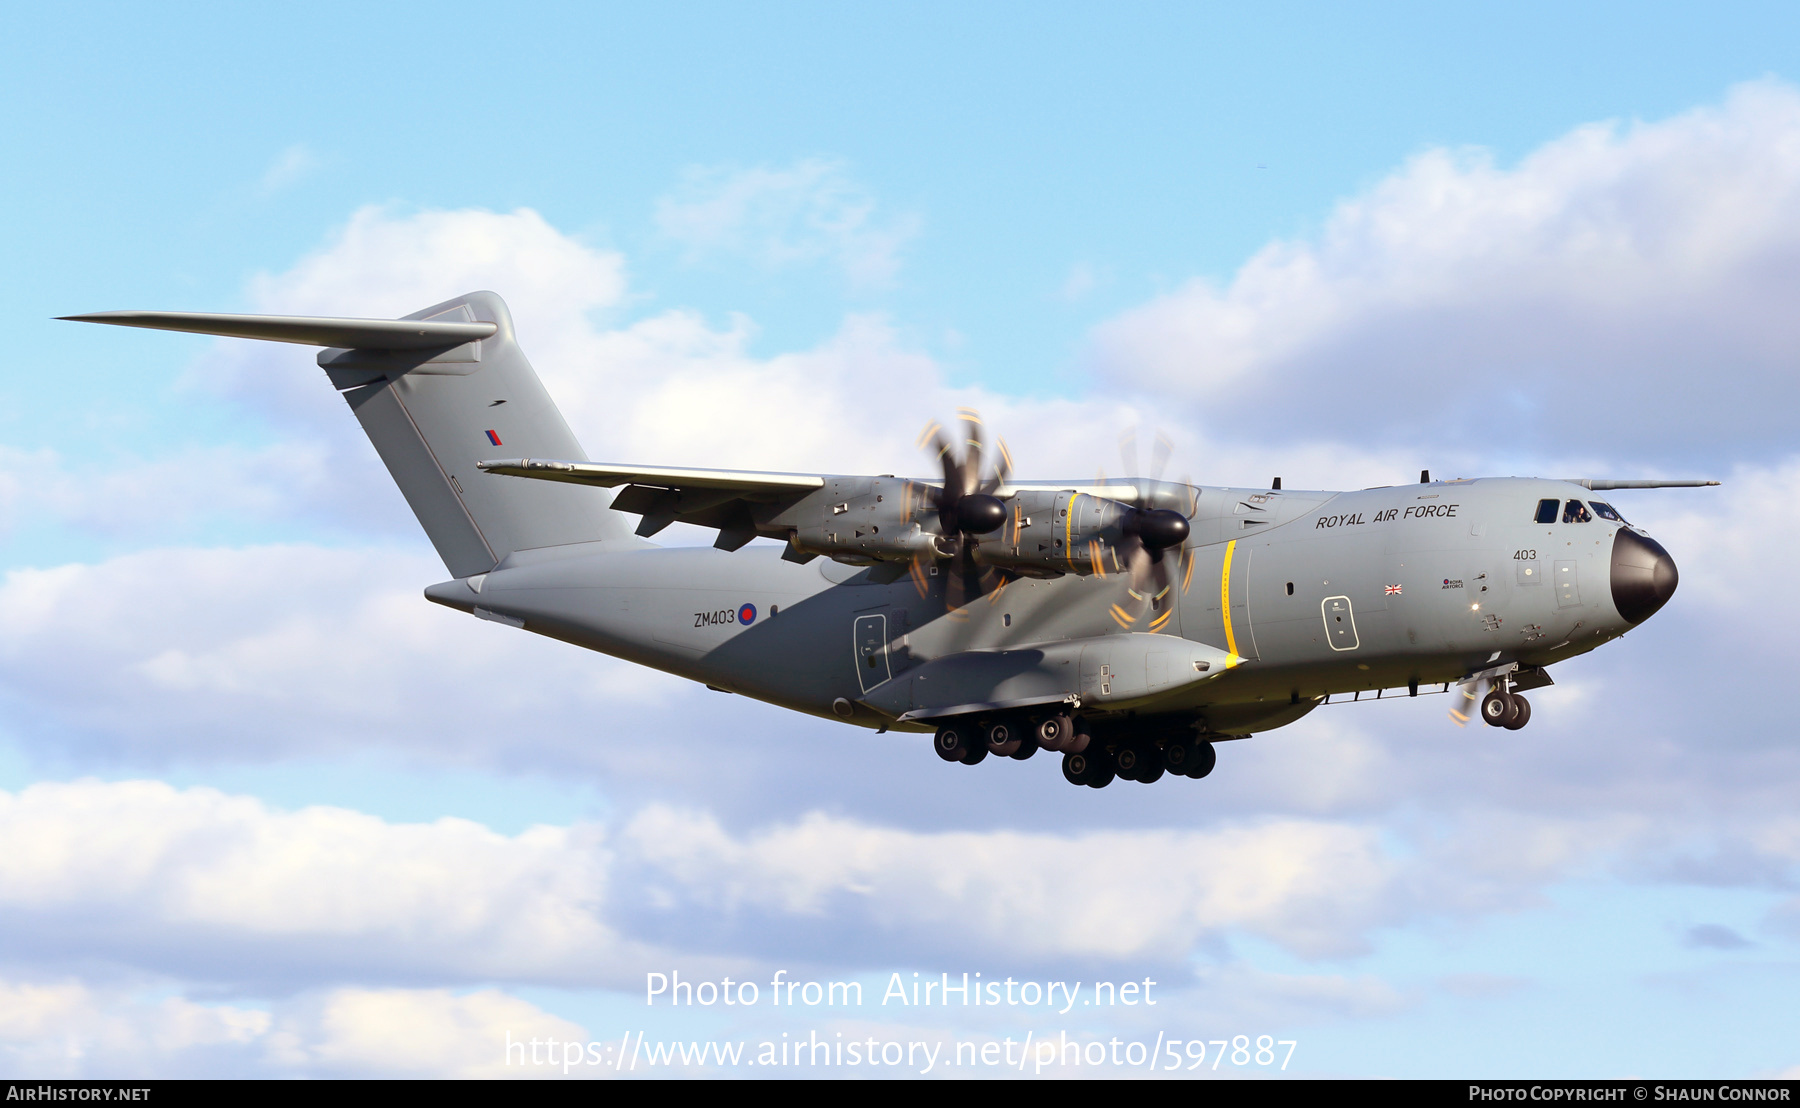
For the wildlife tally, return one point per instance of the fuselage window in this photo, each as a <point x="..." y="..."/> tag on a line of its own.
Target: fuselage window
<point x="1290" y="588"/>
<point x="1605" y="511"/>
<point x="1575" y="512"/>
<point x="1547" y="511"/>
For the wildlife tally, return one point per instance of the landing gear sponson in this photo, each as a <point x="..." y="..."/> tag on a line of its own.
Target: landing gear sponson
<point x="1091" y="757"/>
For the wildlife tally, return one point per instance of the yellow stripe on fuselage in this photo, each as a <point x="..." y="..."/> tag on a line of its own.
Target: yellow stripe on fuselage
<point x="1069" y="532"/>
<point x="1225" y="601"/>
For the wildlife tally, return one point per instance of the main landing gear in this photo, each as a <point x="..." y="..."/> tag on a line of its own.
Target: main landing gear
<point x="1505" y="708"/>
<point x="1139" y="756"/>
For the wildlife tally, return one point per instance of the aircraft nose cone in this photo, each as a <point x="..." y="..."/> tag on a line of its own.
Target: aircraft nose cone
<point x="1643" y="575"/>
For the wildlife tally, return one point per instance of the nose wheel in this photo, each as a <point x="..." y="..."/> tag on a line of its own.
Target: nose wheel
<point x="1502" y="708"/>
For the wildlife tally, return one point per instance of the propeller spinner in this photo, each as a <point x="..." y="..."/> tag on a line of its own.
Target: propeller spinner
<point x="1146" y="533"/>
<point x="966" y="505"/>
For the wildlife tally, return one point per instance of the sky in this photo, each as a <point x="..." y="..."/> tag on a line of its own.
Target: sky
<point x="264" y="811"/>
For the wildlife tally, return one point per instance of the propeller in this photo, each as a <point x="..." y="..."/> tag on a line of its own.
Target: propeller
<point x="966" y="506"/>
<point x="1147" y="532"/>
<point x="1468" y="695"/>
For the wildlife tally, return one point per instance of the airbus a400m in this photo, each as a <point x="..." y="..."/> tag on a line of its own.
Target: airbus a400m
<point x="1127" y="625"/>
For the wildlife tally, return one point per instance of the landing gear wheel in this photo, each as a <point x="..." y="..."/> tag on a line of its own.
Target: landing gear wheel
<point x="1140" y="763"/>
<point x="1201" y="760"/>
<point x="1151" y="763"/>
<point x="1100" y="776"/>
<point x="1054" y="732"/>
<point x="1079" y="739"/>
<point x="1129" y="761"/>
<point x="1499" y="708"/>
<point x="1027" y="747"/>
<point x="1002" y="736"/>
<point x="951" y="743"/>
<point x="1177" y="755"/>
<point x="1077" y="768"/>
<point x="1522" y="716"/>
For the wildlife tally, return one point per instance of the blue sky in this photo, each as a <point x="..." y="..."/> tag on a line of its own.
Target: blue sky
<point x="1331" y="245"/>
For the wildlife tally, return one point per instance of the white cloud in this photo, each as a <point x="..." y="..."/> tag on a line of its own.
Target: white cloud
<point x="1624" y="292"/>
<point x="67" y="1028"/>
<point x="276" y="651"/>
<point x="166" y="495"/>
<point x="1082" y="279"/>
<point x="289" y="166"/>
<point x="71" y="1028"/>
<point x="417" y="1033"/>
<point x="143" y="875"/>
<point x="155" y="879"/>
<point x="671" y="389"/>
<point x="779" y="217"/>
<point x="1101" y="896"/>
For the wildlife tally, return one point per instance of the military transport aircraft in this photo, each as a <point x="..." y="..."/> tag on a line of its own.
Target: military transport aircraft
<point x="1128" y="625"/>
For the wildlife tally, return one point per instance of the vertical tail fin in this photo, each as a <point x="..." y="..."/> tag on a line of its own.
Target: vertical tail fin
<point x="437" y="392"/>
<point x="432" y="419"/>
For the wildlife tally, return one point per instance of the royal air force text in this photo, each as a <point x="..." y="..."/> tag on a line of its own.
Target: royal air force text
<point x="1416" y="511"/>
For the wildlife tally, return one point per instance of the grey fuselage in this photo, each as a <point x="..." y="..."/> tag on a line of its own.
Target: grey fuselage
<point x="1296" y="594"/>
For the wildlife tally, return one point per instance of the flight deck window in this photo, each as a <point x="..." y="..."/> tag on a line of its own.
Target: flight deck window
<point x="1605" y="511"/>
<point x="1547" y="511"/>
<point x="1575" y="512"/>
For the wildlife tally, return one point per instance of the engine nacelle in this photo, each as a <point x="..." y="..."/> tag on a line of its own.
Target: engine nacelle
<point x="1053" y="533"/>
<point x="885" y="520"/>
<point x="894" y="542"/>
<point x="1047" y="532"/>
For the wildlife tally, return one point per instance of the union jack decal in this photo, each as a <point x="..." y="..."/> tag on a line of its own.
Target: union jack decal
<point x="1393" y="590"/>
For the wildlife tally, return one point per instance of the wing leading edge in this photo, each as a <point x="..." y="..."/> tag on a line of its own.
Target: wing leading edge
<point x="743" y="504"/>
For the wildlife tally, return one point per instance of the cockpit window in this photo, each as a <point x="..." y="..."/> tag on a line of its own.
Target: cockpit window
<point x="1605" y="511"/>
<point x="1574" y="512"/>
<point x="1546" y="512"/>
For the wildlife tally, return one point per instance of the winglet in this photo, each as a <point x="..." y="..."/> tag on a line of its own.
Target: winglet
<point x="353" y="334"/>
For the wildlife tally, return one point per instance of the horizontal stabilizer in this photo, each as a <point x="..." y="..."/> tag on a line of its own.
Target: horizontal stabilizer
<point x="1602" y="486"/>
<point x="667" y="477"/>
<point x="352" y="334"/>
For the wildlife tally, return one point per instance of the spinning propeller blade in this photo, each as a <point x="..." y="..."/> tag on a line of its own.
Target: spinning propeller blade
<point x="1148" y="531"/>
<point x="966" y="509"/>
<point x="1468" y="694"/>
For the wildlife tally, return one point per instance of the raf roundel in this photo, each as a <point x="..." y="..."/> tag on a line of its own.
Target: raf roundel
<point x="747" y="614"/>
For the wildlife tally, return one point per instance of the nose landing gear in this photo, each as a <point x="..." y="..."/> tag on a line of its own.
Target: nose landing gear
<point x="1505" y="708"/>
